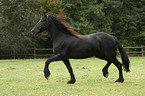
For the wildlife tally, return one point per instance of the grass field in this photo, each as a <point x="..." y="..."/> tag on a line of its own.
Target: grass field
<point x="25" y="78"/>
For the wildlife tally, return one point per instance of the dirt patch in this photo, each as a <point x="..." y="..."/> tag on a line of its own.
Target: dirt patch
<point x="13" y="68"/>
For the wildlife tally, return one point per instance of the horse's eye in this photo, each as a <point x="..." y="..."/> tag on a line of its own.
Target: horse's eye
<point x="45" y="20"/>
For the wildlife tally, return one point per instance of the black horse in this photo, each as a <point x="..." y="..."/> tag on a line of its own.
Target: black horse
<point x="69" y="44"/>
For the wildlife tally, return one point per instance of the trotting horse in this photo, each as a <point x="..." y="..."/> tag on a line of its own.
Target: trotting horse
<point x="69" y="44"/>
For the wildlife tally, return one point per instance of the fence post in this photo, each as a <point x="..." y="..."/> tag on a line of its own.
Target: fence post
<point x="142" y="50"/>
<point x="34" y="53"/>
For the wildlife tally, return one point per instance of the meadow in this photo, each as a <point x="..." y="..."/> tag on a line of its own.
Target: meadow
<point x="24" y="77"/>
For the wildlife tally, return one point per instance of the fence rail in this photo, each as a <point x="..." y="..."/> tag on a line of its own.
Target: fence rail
<point x="136" y="51"/>
<point x="36" y="52"/>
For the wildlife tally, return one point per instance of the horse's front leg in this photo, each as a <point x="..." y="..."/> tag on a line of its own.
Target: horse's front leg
<point x="67" y="63"/>
<point x="48" y="61"/>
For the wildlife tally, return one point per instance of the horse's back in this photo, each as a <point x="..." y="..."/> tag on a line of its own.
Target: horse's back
<point x="96" y="44"/>
<point x="100" y="38"/>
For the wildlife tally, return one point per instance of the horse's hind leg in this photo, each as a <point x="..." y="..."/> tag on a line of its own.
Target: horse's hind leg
<point x="119" y="66"/>
<point x="105" y="69"/>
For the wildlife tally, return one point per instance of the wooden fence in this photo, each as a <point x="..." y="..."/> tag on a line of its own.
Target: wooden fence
<point x="28" y="52"/>
<point x="43" y="49"/>
<point x="37" y="52"/>
<point x="141" y="50"/>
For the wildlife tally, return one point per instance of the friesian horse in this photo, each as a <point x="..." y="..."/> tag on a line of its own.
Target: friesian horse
<point x="69" y="44"/>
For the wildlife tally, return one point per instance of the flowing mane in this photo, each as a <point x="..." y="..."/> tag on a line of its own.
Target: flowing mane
<point x="64" y="27"/>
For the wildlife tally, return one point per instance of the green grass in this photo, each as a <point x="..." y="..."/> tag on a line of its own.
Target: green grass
<point x="25" y="78"/>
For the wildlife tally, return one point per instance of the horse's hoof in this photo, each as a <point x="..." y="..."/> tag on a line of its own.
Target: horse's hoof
<point x="107" y="75"/>
<point x="47" y="77"/>
<point x="119" y="81"/>
<point x="71" y="82"/>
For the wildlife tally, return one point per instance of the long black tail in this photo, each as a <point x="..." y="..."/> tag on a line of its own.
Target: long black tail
<point x="124" y="57"/>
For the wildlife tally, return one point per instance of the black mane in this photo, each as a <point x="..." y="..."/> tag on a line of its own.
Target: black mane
<point x="64" y="27"/>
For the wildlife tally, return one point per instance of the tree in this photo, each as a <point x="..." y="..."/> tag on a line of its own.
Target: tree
<point x="121" y="18"/>
<point x="128" y="22"/>
<point x="124" y="19"/>
<point x="54" y="7"/>
<point x="17" y="22"/>
<point x="86" y="16"/>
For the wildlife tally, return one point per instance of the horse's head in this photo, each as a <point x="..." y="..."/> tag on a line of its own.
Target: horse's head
<point x="42" y="25"/>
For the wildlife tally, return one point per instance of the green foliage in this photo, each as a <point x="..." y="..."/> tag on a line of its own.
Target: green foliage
<point x="17" y="21"/>
<point x="91" y="17"/>
<point x="128" y="20"/>
<point x="124" y="19"/>
<point x="121" y="18"/>
<point x="54" y="7"/>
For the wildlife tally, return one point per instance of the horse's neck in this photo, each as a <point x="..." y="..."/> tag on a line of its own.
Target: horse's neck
<point x="55" y="33"/>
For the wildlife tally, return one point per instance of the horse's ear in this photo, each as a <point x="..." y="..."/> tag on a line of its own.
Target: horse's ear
<point x="44" y="15"/>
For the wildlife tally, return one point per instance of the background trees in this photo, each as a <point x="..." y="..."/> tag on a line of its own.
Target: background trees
<point x="124" y="19"/>
<point x="121" y="18"/>
<point x="16" y="23"/>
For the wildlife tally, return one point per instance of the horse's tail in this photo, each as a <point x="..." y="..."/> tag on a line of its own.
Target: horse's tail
<point x="124" y="57"/>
